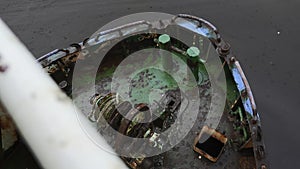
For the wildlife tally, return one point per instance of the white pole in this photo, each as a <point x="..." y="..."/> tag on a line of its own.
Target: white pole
<point x="44" y="115"/>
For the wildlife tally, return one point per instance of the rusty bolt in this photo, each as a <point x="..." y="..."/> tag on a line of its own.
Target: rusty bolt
<point x="225" y="48"/>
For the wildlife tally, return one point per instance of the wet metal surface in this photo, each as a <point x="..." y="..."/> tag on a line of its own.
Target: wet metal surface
<point x="225" y="125"/>
<point x="263" y="34"/>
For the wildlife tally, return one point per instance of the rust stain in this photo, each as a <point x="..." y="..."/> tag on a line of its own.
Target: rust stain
<point x="8" y="130"/>
<point x="247" y="163"/>
<point x="3" y="68"/>
<point x="6" y="122"/>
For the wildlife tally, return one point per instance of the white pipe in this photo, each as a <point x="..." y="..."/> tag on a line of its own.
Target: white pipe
<point x="44" y="115"/>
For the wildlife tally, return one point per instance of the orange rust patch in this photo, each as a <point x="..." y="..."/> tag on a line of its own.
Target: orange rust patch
<point x="6" y="122"/>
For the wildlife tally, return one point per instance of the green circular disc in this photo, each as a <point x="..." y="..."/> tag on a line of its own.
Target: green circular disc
<point x="164" y="38"/>
<point x="193" y="51"/>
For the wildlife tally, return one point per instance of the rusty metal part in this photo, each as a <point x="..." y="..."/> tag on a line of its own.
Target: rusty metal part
<point x="250" y="106"/>
<point x="247" y="162"/>
<point x="248" y="144"/>
<point x="8" y="129"/>
<point x="207" y="134"/>
<point x="126" y="121"/>
<point x="224" y="48"/>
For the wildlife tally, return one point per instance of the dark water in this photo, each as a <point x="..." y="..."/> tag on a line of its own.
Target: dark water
<point x="212" y="146"/>
<point x="263" y="34"/>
